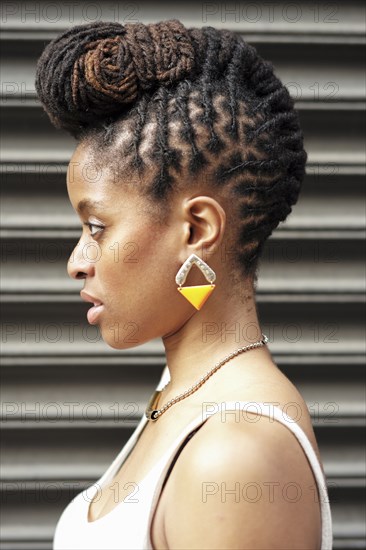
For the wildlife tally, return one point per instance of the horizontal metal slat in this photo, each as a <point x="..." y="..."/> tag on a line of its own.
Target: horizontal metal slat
<point x="330" y="137"/>
<point x="327" y="75"/>
<point x="279" y="18"/>
<point x="63" y="454"/>
<point x="44" y="203"/>
<point x="290" y="270"/>
<point x="329" y="328"/>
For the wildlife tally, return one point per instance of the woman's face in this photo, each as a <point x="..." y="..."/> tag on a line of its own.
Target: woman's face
<point x="128" y="261"/>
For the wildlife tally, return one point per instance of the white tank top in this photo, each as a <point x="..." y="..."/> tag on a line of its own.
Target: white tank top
<point x="128" y="525"/>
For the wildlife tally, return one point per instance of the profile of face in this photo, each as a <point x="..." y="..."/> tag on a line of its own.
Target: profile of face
<point x="129" y="261"/>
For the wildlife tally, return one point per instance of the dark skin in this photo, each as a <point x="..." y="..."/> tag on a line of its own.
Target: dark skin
<point x="130" y="266"/>
<point x="131" y="261"/>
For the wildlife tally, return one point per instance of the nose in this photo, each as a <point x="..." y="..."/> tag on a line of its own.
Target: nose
<point x="79" y="264"/>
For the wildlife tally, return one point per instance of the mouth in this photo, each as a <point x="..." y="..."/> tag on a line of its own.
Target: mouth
<point x="95" y="311"/>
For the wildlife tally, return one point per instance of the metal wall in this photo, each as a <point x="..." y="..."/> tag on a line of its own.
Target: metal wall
<point x="69" y="402"/>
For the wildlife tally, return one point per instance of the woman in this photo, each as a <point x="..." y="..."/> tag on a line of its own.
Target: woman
<point x="189" y="153"/>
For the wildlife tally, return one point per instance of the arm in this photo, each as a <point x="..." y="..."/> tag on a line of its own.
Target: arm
<point x="243" y="485"/>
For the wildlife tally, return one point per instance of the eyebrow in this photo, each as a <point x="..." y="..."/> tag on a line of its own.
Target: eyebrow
<point x="87" y="204"/>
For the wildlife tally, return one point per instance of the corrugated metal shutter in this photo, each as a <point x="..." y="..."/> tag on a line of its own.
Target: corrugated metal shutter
<point x="69" y="402"/>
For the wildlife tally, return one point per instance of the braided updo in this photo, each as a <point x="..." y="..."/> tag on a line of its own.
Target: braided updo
<point x="185" y="108"/>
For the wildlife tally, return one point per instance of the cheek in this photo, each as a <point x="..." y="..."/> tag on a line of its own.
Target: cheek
<point x="131" y="263"/>
<point x="137" y="281"/>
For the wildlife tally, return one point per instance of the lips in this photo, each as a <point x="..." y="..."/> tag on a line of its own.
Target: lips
<point x="93" y="312"/>
<point x="89" y="298"/>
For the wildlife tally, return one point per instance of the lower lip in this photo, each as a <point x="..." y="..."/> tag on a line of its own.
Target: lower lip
<point x="93" y="313"/>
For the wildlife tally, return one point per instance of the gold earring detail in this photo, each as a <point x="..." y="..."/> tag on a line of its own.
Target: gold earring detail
<point x="196" y="295"/>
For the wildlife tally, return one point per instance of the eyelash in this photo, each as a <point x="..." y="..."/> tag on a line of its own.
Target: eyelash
<point x="94" y="225"/>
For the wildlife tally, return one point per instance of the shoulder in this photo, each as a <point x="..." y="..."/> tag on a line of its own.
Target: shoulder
<point x="252" y="469"/>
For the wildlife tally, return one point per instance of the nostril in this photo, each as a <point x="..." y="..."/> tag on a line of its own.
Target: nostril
<point x="80" y="275"/>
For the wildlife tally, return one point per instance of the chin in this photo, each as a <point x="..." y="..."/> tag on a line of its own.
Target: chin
<point x="119" y="339"/>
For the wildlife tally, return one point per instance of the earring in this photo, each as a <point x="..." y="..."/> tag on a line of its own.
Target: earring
<point x="196" y="295"/>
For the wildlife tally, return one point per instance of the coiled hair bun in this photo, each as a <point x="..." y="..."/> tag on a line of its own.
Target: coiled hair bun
<point x="99" y="69"/>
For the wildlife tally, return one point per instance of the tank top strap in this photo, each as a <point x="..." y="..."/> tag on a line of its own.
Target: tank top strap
<point x="166" y="463"/>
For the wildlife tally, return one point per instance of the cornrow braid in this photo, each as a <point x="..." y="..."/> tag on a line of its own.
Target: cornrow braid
<point x="197" y="108"/>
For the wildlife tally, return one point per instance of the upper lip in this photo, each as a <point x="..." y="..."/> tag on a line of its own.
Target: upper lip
<point x="89" y="298"/>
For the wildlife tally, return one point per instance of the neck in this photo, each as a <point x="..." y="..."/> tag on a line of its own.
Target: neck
<point x="206" y="338"/>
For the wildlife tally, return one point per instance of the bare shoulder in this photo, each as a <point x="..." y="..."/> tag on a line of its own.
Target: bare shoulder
<point x="242" y="469"/>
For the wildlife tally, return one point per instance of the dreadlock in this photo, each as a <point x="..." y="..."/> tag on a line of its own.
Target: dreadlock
<point x="197" y="107"/>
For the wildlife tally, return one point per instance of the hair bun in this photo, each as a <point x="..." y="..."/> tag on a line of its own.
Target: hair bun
<point x="93" y="70"/>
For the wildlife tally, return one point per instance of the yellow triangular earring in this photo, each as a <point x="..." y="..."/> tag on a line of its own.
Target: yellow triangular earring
<point x="196" y="295"/>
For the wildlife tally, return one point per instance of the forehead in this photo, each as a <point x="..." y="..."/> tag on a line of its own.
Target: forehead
<point x="84" y="169"/>
<point x="91" y="183"/>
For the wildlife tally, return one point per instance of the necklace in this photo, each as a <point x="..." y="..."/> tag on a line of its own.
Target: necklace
<point x="152" y="413"/>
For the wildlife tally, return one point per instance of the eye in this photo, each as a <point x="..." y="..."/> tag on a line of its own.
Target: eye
<point x="91" y="225"/>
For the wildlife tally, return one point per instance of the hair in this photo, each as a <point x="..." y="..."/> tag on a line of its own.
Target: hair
<point x="184" y="108"/>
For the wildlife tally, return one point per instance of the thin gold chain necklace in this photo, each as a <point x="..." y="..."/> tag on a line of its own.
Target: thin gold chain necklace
<point x="153" y="414"/>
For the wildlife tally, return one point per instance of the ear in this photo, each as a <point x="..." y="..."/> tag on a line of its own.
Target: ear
<point x="206" y="222"/>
